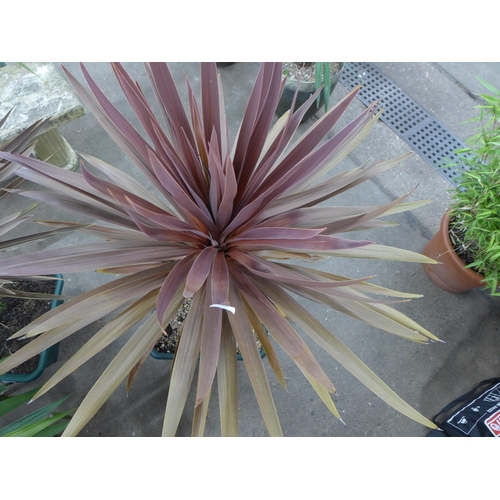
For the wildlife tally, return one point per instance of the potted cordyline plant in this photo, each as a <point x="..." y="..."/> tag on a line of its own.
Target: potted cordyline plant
<point x="468" y="241"/>
<point x="222" y="231"/>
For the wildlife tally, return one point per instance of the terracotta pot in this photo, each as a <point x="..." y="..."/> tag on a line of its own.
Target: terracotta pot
<point x="451" y="274"/>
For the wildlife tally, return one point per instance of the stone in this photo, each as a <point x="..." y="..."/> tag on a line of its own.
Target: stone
<point x="39" y="92"/>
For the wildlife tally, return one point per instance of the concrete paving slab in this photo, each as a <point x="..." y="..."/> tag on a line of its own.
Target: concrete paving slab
<point x="426" y="376"/>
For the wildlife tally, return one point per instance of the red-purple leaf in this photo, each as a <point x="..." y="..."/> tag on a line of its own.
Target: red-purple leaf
<point x="267" y="163"/>
<point x="216" y="175"/>
<point x="170" y="100"/>
<point x="317" y="132"/>
<point x="199" y="271"/>
<point x="243" y="333"/>
<point x="184" y="203"/>
<point x="68" y="202"/>
<point x="139" y="104"/>
<point x="275" y="233"/>
<point x="90" y="257"/>
<point x="120" y="130"/>
<point x="281" y="331"/>
<point x="220" y="279"/>
<point x="277" y="272"/>
<point x="65" y="181"/>
<point x="210" y="101"/>
<point x="229" y="192"/>
<point x="174" y="281"/>
<point x="269" y="100"/>
<point x="287" y="175"/>
<point x="210" y="344"/>
<point x="316" y="244"/>
<point x="197" y="124"/>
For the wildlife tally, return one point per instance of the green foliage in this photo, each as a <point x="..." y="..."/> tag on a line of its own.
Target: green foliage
<point x="322" y="77"/>
<point x="475" y="211"/>
<point x="40" y="423"/>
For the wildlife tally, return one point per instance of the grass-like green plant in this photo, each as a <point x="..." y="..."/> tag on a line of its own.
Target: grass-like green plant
<point x="44" y="422"/>
<point x="475" y="209"/>
<point x="222" y="228"/>
<point x="322" y="79"/>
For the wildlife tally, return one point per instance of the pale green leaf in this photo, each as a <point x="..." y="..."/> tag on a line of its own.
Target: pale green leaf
<point x="323" y="394"/>
<point x="184" y="366"/>
<point x="382" y="252"/>
<point x="314" y="329"/>
<point x="227" y="379"/>
<point x="200" y="417"/>
<point x="242" y="330"/>
<point x="108" y="334"/>
<point x="37" y="427"/>
<point x="141" y="341"/>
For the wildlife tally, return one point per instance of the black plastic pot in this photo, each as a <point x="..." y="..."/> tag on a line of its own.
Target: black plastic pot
<point x="306" y="90"/>
<point x="47" y="357"/>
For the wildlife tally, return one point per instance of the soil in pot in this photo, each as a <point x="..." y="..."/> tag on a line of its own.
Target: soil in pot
<point x="457" y="237"/>
<point x="295" y="69"/>
<point x="16" y="314"/>
<point x="168" y="343"/>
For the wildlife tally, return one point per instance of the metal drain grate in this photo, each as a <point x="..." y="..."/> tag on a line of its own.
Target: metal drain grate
<point x="421" y="131"/>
